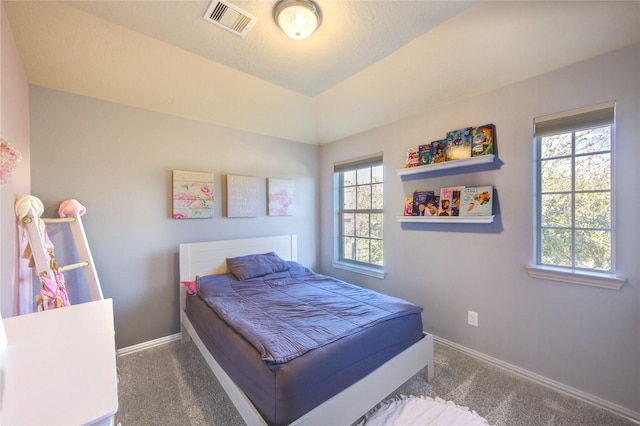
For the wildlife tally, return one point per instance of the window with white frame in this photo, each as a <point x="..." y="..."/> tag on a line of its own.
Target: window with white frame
<point x="360" y="212"/>
<point x="574" y="204"/>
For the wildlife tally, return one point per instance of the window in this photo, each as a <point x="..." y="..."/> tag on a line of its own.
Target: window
<point x="574" y="189"/>
<point x="360" y="212"/>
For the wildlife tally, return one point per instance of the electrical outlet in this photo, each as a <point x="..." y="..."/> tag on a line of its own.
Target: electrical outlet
<point x="472" y="318"/>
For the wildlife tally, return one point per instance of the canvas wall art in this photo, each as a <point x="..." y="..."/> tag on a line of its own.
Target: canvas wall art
<point x="281" y="197"/>
<point x="192" y="195"/>
<point x="242" y="196"/>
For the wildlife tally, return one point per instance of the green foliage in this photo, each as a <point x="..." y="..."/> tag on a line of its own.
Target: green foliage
<point x="575" y="199"/>
<point x="361" y="218"/>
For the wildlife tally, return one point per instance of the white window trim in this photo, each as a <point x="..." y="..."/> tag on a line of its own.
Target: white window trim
<point x="364" y="270"/>
<point x="572" y="276"/>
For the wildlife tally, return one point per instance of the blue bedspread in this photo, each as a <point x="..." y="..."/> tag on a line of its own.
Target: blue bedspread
<point x="286" y="314"/>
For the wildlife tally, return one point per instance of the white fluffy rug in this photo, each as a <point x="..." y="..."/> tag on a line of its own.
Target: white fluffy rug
<point x="414" y="410"/>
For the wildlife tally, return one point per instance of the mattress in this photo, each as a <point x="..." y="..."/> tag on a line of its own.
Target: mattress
<point x="282" y="391"/>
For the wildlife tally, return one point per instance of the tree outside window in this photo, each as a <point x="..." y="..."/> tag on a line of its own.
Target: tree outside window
<point x="575" y="198"/>
<point x="361" y="214"/>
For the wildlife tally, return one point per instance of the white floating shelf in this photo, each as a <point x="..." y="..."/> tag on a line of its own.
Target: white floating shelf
<point x="453" y="164"/>
<point x="446" y="219"/>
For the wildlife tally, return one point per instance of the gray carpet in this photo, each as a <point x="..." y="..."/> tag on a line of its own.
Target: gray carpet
<point x="172" y="385"/>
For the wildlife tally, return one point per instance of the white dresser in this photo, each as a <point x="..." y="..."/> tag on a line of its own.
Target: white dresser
<point x="59" y="367"/>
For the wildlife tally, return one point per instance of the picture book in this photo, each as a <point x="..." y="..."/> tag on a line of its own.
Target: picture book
<point x="433" y="201"/>
<point x="420" y="202"/>
<point x="482" y="140"/>
<point x="411" y="157"/>
<point x="439" y="151"/>
<point x="476" y="201"/>
<point x="424" y="154"/>
<point x="450" y="201"/>
<point x="459" y="144"/>
<point x="408" y="206"/>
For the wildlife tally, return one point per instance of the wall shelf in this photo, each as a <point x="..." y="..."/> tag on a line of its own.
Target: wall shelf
<point x="453" y="164"/>
<point x="446" y="219"/>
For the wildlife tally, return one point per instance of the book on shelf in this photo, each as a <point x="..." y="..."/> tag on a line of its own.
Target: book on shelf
<point x="439" y="151"/>
<point x="420" y="202"/>
<point x="483" y="138"/>
<point x="408" y="206"/>
<point x="411" y="157"/>
<point x="433" y="202"/>
<point x="424" y="154"/>
<point x="450" y="201"/>
<point x="476" y="201"/>
<point x="459" y="142"/>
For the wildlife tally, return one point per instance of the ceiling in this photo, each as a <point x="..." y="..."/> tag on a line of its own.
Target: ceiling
<point x="354" y="35"/>
<point x="370" y="62"/>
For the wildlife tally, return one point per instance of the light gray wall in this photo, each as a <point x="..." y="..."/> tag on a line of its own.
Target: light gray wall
<point x="117" y="161"/>
<point x="14" y="128"/>
<point x="584" y="337"/>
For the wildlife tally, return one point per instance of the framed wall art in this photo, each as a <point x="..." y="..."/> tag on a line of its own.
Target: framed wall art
<point x="242" y="196"/>
<point x="192" y="195"/>
<point x="281" y="197"/>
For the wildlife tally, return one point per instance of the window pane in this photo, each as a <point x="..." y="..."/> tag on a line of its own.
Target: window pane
<point x="556" y="175"/>
<point x="593" y="172"/>
<point x="349" y="178"/>
<point x="376" y="225"/>
<point x="361" y="230"/>
<point x="376" y="196"/>
<point x="349" y="198"/>
<point x="593" y="140"/>
<point x="376" y="252"/>
<point x="362" y="225"/>
<point x="575" y="199"/>
<point x="593" y="250"/>
<point x="556" y="146"/>
<point x="364" y="176"/>
<point x="593" y="210"/>
<point x="364" y="197"/>
<point x="376" y="174"/>
<point x="348" y="248"/>
<point x="556" y="247"/>
<point x="556" y="210"/>
<point x="362" y="250"/>
<point x="348" y="224"/>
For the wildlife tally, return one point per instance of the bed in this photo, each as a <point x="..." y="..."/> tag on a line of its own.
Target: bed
<point x="326" y="385"/>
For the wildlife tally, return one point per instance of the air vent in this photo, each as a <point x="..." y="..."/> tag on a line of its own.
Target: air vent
<point x="230" y="17"/>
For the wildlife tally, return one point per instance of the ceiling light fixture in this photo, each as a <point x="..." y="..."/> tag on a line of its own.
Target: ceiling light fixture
<point x="297" y="18"/>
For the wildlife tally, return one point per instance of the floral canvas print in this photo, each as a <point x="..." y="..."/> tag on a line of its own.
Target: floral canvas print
<point x="281" y="197"/>
<point x="192" y="195"/>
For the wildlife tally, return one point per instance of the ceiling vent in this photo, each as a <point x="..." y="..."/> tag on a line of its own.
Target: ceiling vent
<point x="230" y="17"/>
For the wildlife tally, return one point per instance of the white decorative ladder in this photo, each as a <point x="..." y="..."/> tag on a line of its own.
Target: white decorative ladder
<point x="34" y="228"/>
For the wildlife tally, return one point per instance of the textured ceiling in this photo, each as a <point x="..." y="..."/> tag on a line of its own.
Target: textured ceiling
<point x="370" y="62"/>
<point x="353" y="35"/>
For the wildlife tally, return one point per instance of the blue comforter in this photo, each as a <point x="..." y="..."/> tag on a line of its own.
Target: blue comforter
<point x="286" y="314"/>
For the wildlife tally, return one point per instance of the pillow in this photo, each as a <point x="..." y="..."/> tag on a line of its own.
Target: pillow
<point x="297" y="269"/>
<point x="256" y="265"/>
<point x="191" y="286"/>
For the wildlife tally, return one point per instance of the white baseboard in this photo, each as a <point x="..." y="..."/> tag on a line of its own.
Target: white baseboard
<point x="147" y="345"/>
<point x="560" y="387"/>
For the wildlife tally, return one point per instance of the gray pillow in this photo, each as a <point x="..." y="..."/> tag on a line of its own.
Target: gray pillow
<point x="256" y="265"/>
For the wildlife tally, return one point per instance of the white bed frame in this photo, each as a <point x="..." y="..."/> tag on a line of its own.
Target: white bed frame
<point x="344" y="408"/>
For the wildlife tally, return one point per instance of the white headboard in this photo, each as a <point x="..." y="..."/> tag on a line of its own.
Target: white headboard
<point x="211" y="257"/>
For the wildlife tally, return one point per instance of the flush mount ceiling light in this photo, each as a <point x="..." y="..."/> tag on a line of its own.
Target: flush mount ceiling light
<point x="297" y="18"/>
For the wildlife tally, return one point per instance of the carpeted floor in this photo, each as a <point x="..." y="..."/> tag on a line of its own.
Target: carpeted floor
<point x="172" y="385"/>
